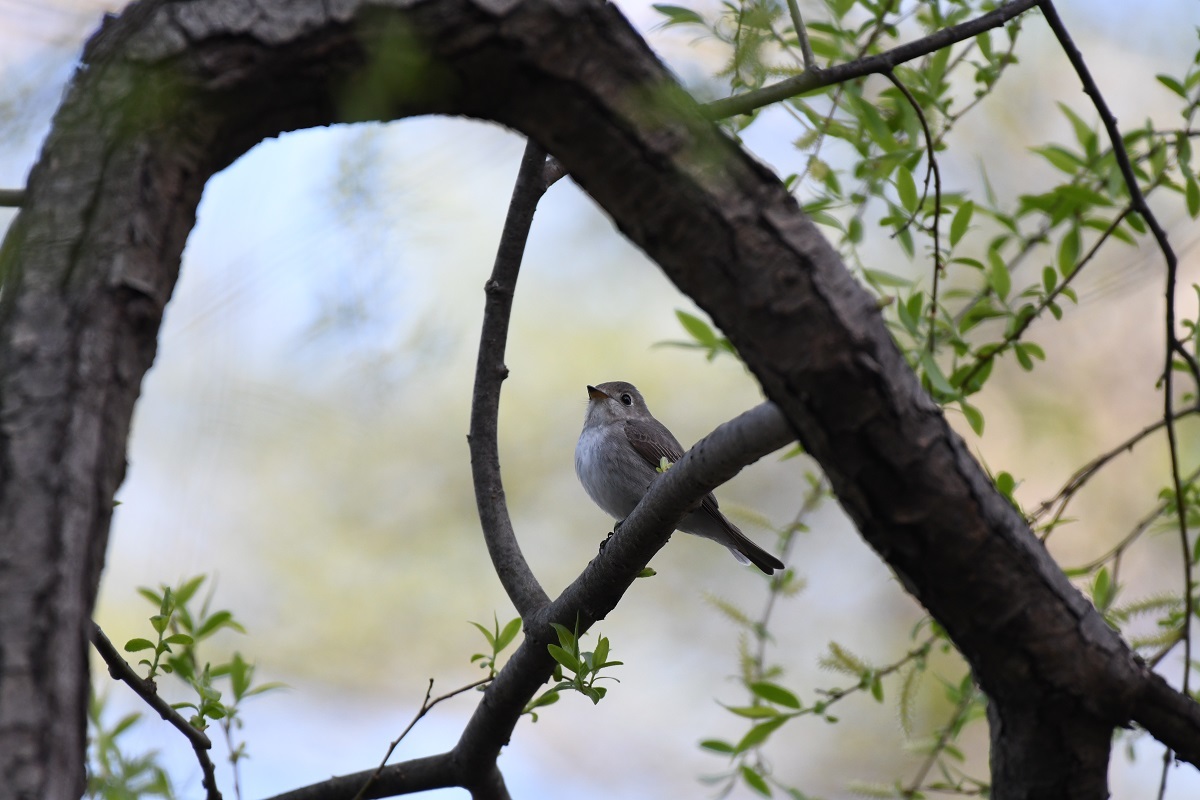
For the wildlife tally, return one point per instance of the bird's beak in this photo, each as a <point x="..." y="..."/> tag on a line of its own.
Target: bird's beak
<point x="596" y="394"/>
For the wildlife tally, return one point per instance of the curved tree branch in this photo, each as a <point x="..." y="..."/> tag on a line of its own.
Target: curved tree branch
<point x="120" y="670"/>
<point x="523" y="588"/>
<point x="811" y="80"/>
<point x="472" y="763"/>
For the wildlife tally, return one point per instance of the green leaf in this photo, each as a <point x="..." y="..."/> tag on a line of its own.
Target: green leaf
<point x="1083" y="131"/>
<point x="1061" y="158"/>
<point x="755" y="781"/>
<point x="760" y="733"/>
<point x="697" y="328"/>
<point x="491" y="639"/>
<point x="905" y="237"/>
<point x="159" y="621"/>
<point x="185" y="592"/>
<point x="1192" y="194"/>
<point x="754" y="712"/>
<point x="1049" y="279"/>
<point x="998" y="275"/>
<point x="717" y="746"/>
<point x="565" y="658"/>
<point x="879" y="278"/>
<point x="1173" y="84"/>
<point x="1103" y="590"/>
<point x="508" y="634"/>
<point x="1023" y="358"/>
<point x="137" y="645"/>
<point x="874" y="124"/>
<point x="600" y="656"/>
<point x="547" y="698"/>
<point x="1068" y="252"/>
<point x="934" y="373"/>
<point x="854" y="230"/>
<point x="973" y="415"/>
<point x="906" y="189"/>
<point x="677" y="15"/>
<point x="961" y="222"/>
<point x="774" y="693"/>
<point x="1034" y="349"/>
<point x="219" y="620"/>
<point x="126" y="722"/>
<point x="151" y="595"/>
<point x="179" y="638"/>
<point x="566" y="637"/>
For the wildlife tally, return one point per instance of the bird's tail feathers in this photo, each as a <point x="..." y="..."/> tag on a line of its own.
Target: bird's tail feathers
<point x="747" y="552"/>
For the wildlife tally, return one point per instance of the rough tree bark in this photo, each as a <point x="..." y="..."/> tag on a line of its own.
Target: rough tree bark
<point x="171" y="92"/>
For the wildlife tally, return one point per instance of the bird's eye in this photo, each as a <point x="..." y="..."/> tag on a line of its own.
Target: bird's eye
<point x="627" y="399"/>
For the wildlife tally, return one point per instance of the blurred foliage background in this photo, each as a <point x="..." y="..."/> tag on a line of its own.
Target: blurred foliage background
<point x="302" y="435"/>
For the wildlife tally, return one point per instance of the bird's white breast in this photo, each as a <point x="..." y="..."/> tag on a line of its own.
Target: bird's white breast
<point x="602" y="471"/>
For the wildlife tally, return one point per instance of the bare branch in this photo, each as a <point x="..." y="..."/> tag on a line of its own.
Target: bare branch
<point x="1174" y="345"/>
<point x="1170" y="717"/>
<point x="810" y="61"/>
<point x="408" y="777"/>
<point x="519" y="582"/>
<point x="812" y="80"/>
<point x="426" y="705"/>
<point x="120" y="670"/>
<point x="1085" y="473"/>
<point x="931" y="170"/>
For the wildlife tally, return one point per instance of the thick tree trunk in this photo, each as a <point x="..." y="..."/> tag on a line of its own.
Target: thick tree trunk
<point x="1034" y="744"/>
<point x="172" y="92"/>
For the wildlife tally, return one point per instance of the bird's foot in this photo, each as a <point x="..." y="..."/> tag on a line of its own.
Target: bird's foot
<point x="606" y="538"/>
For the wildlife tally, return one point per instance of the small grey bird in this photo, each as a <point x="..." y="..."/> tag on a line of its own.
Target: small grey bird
<point x="617" y="458"/>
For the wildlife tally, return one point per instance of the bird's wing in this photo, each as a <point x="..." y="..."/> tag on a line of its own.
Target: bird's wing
<point x="653" y="442"/>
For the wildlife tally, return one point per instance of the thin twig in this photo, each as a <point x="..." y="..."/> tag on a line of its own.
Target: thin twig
<point x="120" y="670"/>
<point x="943" y="740"/>
<point x="931" y="169"/>
<point x="513" y="570"/>
<point x="426" y="705"/>
<point x="12" y="198"/>
<point x="810" y="61"/>
<point x="1174" y="346"/>
<point x="827" y="76"/>
<point x="811" y="500"/>
<point x="1089" y="470"/>
<point x="834" y="695"/>
<point x="1166" y="767"/>
<point x="227" y="729"/>
<point x="1138" y="529"/>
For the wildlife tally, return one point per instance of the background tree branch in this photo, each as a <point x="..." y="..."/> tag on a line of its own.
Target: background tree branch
<point x="120" y="670"/>
<point x="519" y="582"/>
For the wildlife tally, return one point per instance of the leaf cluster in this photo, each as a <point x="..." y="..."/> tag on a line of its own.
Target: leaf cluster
<point x="575" y="670"/>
